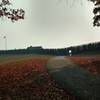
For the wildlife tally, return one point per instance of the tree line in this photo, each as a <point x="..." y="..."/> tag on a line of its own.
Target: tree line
<point x="81" y="49"/>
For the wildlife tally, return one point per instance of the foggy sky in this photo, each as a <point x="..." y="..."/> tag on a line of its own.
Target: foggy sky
<point x="51" y="24"/>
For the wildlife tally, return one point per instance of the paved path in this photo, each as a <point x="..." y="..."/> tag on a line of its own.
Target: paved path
<point x="74" y="79"/>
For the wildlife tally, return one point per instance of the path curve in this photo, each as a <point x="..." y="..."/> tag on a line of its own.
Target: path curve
<point x="73" y="78"/>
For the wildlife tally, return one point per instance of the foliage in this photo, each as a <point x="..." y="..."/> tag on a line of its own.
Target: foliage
<point x="96" y="12"/>
<point x="91" y="48"/>
<point x="81" y="49"/>
<point x="13" y="14"/>
<point x="16" y="14"/>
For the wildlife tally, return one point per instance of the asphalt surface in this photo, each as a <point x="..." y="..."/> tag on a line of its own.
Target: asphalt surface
<point x="74" y="79"/>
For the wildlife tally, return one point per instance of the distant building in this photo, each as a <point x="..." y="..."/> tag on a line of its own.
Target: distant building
<point x="34" y="48"/>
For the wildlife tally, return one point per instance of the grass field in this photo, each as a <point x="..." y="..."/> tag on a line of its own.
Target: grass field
<point x="12" y="58"/>
<point x="26" y="78"/>
<point x="90" y="63"/>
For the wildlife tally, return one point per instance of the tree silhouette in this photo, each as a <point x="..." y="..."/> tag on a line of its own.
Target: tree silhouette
<point x="96" y="11"/>
<point x="16" y="14"/>
<point x="12" y="14"/>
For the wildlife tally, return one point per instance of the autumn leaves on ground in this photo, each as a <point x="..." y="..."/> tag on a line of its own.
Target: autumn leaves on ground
<point x="90" y="63"/>
<point x="28" y="79"/>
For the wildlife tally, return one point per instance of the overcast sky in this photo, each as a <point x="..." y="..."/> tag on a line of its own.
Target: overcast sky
<point x="51" y="24"/>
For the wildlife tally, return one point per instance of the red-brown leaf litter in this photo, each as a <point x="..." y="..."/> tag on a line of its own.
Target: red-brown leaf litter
<point x="90" y="63"/>
<point x="29" y="80"/>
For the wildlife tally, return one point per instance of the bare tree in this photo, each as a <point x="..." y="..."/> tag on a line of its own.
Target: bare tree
<point x="12" y="14"/>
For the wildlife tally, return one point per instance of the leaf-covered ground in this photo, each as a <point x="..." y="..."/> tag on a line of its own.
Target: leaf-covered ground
<point x="29" y="80"/>
<point x="91" y="63"/>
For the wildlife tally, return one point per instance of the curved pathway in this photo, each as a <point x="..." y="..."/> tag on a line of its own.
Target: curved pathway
<point x="78" y="81"/>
